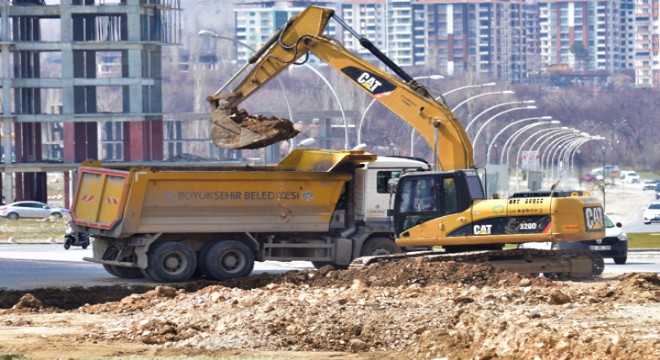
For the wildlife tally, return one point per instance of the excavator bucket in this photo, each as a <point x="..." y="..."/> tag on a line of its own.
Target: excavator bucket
<point x="236" y="129"/>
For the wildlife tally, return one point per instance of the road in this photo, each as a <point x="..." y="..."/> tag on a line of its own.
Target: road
<point x="29" y="266"/>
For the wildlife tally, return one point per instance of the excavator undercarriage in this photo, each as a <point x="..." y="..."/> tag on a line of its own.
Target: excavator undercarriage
<point x="551" y="263"/>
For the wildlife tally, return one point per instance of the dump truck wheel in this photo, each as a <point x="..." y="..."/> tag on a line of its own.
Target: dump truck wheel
<point x="229" y="259"/>
<point x="126" y="272"/>
<point x="110" y="270"/>
<point x="201" y="256"/>
<point x="320" y="264"/>
<point x="171" y="262"/>
<point x="379" y="246"/>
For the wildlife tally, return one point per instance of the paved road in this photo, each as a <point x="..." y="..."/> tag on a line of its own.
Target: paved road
<point x="29" y="266"/>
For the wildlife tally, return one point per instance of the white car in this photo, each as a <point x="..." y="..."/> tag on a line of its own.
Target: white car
<point x="649" y="184"/>
<point x="31" y="209"/>
<point x="630" y="177"/>
<point x="652" y="213"/>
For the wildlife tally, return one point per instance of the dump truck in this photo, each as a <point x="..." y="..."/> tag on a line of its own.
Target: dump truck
<point x="168" y="221"/>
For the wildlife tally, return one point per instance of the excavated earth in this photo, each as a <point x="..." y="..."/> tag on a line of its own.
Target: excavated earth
<point x="268" y="130"/>
<point x="410" y="309"/>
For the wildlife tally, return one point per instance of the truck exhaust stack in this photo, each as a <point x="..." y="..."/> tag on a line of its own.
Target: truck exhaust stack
<point x="236" y="129"/>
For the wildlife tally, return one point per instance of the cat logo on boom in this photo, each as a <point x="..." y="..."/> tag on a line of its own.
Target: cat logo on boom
<point x="376" y="85"/>
<point x="369" y="82"/>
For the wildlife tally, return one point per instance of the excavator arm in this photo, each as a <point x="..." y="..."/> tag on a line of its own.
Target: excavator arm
<point x="302" y="35"/>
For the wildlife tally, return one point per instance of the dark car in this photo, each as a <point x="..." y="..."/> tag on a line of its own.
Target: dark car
<point x="614" y="245"/>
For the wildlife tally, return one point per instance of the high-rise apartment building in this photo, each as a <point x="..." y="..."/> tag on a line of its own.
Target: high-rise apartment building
<point x="507" y="39"/>
<point x="643" y="22"/>
<point x="487" y="36"/>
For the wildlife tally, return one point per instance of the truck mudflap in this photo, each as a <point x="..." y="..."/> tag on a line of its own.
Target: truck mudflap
<point x="99" y="197"/>
<point x="553" y="263"/>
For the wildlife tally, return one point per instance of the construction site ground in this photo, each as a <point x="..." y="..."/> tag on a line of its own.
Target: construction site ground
<point x="411" y="309"/>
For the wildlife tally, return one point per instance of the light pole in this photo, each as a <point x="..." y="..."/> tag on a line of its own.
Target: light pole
<point x="468" y="87"/>
<point x="469" y="125"/>
<point x="504" y="92"/>
<point x="504" y="158"/>
<point x="364" y="113"/>
<point x="474" y="141"/>
<point x="542" y="120"/>
<point x="565" y="156"/>
<point x="595" y="138"/>
<point x="557" y="154"/>
<point x="546" y="155"/>
<point x="517" y="159"/>
<point x="441" y="98"/>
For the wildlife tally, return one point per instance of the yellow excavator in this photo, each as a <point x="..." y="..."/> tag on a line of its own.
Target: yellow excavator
<point x="446" y="207"/>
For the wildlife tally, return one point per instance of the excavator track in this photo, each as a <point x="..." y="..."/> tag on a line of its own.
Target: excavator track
<point x="552" y="263"/>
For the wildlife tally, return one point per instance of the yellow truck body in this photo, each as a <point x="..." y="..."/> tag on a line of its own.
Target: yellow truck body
<point x="298" y="195"/>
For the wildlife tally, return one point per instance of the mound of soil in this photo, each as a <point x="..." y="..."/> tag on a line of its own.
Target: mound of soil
<point x="409" y="309"/>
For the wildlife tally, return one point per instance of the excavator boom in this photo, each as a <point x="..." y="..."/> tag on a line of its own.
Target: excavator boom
<point x="303" y="35"/>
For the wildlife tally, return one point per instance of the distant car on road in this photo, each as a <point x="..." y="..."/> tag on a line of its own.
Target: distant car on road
<point x="630" y="177"/>
<point x="652" y="213"/>
<point x="588" y="177"/>
<point x="650" y="184"/>
<point x="31" y="209"/>
<point x="614" y="245"/>
<point x="657" y="192"/>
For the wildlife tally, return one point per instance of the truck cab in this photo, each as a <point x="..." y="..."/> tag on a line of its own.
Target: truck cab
<point x="372" y="195"/>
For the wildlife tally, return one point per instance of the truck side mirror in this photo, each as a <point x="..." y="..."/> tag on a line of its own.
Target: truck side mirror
<point x="390" y="212"/>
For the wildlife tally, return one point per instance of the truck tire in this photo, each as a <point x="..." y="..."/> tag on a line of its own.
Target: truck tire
<point x="126" y="272"/>
<point x="171" y="262"/>
<point x="379" y="246"/>
<point x="620" y="260"/>
<point x="110" y="270"/>
<point x="201" y="256"/>
<point x="228" y="259"/>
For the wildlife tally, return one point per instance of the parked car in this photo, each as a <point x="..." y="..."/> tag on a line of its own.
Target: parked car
<point x="614" y="245"/>
<point x="657" y="192"/>
<point x="31" y="209"/>
<point x="652" y="213"/>
<point x="588" y="177"/>
<point x="630" y="177"/>
<point x="650" y="184"/>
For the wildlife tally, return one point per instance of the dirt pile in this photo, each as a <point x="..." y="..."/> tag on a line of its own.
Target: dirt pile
<point x="412" y="309"/>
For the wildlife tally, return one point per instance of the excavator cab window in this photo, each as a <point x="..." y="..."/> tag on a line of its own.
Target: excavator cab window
<point x="420" y="198"/>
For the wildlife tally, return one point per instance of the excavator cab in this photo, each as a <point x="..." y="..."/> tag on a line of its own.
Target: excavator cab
<point x="424" y="196"/>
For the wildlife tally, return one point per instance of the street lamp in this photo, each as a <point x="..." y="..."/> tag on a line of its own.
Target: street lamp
<point x="541" y="118"/>
<point x="468" y="87"/>
<point x="469" y="125"/>
<point x="474" y="141"/>
<point x="555" y="156"/>
<point x="550" y="149"/>
<point x="508" y="145"/>
<point x="304" y="142"/>
<point x="517" y="159"/>
<point x="504" y="92"/>
<point x="364" y="113"/>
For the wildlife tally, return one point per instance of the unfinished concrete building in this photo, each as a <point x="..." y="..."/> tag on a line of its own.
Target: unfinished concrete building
<point x="78" y="76"/>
